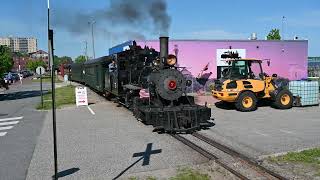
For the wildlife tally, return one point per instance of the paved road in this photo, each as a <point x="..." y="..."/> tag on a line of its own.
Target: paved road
<point x="20" y="125"/>
<point x="267" y="130"/>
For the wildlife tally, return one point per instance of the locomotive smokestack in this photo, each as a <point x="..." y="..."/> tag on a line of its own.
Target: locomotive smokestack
<point x="164" y="47"/>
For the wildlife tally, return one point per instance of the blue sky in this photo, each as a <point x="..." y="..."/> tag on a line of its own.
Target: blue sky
<point x="190" y="19"/>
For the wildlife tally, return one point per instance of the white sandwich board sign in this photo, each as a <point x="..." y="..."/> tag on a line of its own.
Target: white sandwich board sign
<point x="81" y="96"/>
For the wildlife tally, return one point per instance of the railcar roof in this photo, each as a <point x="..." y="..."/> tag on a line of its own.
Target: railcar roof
<point x="97" y="60"/>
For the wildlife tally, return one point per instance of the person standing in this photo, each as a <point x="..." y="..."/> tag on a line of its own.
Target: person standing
<point x="20" y="77"/>
<point x="112" y="73"/>
<point x="10" y="78"/>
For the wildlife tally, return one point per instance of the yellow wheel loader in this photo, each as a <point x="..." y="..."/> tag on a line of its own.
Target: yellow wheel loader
<point x="244" y="83"/>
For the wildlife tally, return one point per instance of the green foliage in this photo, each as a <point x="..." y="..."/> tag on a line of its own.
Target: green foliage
<point x="148" y="178"/>
<point x="309" y="157"/>
<point x="6" y="60"/>
<point x="151" y="178"/>
<point x="20" y="54"/>
<point x="133" y="178"/>
<point x="306" y="156"/>
<point x="190" y="174"/>
<point x="62" y="60"/>
<point x="32" y="64"/>
<point x="80" y="59"/>
<point x="47" y="79"/>
<point x="64" y="95"/>
<point x="274" y="34"/>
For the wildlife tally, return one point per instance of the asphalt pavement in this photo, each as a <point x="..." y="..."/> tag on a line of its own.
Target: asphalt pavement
<point x="103" y="141"/>
<point x="20" y="125"/>
<point x="266" y="131"/>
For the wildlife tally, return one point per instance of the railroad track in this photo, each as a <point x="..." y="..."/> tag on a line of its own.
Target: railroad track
<point x="259" y="171"/>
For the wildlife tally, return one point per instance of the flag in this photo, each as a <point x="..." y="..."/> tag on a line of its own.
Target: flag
<point x="144" y="93"/>
<point x="206" y="67"/>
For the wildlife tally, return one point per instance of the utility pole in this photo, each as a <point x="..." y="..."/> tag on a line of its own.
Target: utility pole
<point x="92" y="37"/>
<point x="50" y="51"/>
<point x="86" y="50"/>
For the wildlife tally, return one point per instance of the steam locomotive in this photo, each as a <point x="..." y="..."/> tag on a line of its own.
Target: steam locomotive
<point x="150" y="84"/>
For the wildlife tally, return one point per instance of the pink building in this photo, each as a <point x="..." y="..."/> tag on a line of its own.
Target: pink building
<point x="286" y="58"/>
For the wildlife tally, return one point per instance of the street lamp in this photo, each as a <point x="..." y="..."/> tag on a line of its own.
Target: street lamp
<point x="92" y="36"/>
<point x="282" y="27"/>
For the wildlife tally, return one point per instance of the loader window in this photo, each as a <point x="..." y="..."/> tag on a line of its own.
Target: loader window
<point x="254" y="69"/>
<point x="239" y="70"/>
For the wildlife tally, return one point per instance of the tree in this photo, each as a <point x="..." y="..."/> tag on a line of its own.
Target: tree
<point x="274" y="34"/>
<point x="6" y="60"/>
<point x="66" y="60"/>
<point x="33" y="64"/>
<point x="80" y="59"/>
<point x="62" y="60"/>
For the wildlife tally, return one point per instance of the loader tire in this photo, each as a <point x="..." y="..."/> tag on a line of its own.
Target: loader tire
<point x="246" y="101"/>
<point x="283" y="100"/>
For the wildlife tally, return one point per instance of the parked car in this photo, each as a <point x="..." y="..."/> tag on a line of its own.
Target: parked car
<point x="15" y="76"/>
<point x="28" y="73"/>
<point x="24" y="73"/>
<point x="8" y="78"/>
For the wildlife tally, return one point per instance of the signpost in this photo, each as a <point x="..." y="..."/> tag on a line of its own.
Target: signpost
<point x="81" y="96"/>
<point x="40" y="70"/>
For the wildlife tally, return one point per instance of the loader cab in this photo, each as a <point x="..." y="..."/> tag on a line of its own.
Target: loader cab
<point x="244" y="69"/>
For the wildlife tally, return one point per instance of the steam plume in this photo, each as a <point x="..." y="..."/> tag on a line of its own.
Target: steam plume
<point x="135" y="18"/>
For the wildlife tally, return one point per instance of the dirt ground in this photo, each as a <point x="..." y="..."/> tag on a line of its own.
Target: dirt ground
<point x="213" y="170"/>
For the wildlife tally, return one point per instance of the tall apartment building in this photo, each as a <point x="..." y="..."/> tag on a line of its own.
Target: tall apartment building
<point x="20" y="44"/>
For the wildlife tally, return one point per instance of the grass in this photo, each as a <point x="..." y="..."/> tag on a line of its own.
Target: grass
<point x="148" y="178"/>
<point x="190" y="174"/>
<point x="182" y="174"/>
<point x="133" y="178"/>
<point x="47" y="79"/>
<point x="309" y="157"/>
<point x="64" y="96"/>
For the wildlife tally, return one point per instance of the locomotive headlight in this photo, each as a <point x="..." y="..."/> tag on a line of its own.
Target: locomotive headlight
<point x="171" y="60"/>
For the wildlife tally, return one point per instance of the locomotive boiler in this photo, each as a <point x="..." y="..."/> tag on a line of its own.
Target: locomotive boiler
<point x="150" y="84"/>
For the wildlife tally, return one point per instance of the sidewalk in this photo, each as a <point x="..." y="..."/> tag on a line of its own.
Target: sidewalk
<point x="102" y="145"/>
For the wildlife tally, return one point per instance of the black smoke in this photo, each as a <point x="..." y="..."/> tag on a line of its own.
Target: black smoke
<point x="132" y="18"/>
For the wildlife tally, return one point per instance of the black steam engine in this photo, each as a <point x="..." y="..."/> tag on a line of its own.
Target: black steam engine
<point x="151" y="85"/>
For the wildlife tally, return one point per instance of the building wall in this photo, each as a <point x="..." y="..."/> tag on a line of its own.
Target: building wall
<point x="5" y="41"/>
<point x="287" y="58"/>
<point x="22" y="61"/>
<point x="20" y="44"/>
<point x="313" y="61"/>
<point x="121" y="47"/>
<point x="32" y="45"/>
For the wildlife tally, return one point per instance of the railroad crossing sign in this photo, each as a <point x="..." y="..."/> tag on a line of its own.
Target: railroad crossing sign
<point x="81" y="96"/>
<point x="146" y="155"/>
<point x="40" y="70"/>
